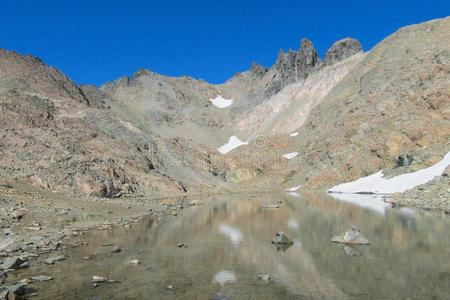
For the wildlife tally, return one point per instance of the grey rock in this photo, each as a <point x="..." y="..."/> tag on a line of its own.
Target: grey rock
<point x="282" y="239"/>
<point x="269" y="206"/>
<point x="341" y="50"/>
<point x="98" y="279"/>
<point x="41" y="278"/>
<point x="264" y="277"/>
<point x="12" y="263"/>
<point x="17" y="289"/>
<point x="4" y="293"/>
<point x="116" y="250"/>
<point x="52" y="260"/>
<point x="352" y="237"/>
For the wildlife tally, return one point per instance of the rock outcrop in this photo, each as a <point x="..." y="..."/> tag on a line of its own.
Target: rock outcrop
<point x="341" y="50"/>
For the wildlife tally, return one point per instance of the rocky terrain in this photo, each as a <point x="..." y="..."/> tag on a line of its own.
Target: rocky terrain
<point x="78" y="157"/>
<point x="342" y="118"/>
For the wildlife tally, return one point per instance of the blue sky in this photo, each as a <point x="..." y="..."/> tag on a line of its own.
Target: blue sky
<point x="98" y="41"/>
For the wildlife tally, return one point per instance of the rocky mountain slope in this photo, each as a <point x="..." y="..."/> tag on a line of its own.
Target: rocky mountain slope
<point x="347" y="116"/>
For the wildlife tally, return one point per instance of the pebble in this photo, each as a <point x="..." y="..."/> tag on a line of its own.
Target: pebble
<point x="135" y="262"/>
<point x="116" y="250"/>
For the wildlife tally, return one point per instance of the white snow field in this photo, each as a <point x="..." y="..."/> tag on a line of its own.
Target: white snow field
<point x="233" y="143"/>
<point x="293" y="189"/>
<point x="290" y="155"/>
<point x="377" y="184"/>
<point x="221" y="102"/>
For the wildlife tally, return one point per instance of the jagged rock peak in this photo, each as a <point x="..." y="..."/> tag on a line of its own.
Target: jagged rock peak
<point x="258" y="70"/>
<point x="307" y="58"/>
<point x="117" y="84"/>
<point x="298" y="64"/>
<point x="342" y="49"/>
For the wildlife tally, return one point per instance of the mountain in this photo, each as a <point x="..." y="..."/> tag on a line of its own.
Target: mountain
<point x="347" y="116"/>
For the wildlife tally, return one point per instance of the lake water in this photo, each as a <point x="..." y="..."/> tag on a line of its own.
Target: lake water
<point x="229" y="245"/>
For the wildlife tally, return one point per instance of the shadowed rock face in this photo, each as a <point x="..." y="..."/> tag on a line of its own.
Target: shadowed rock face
<point x="341" y="50"/>
<point x="293" y="66"/>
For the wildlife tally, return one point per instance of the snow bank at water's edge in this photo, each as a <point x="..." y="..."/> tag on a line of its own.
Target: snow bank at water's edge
<point x="378" y="184"/>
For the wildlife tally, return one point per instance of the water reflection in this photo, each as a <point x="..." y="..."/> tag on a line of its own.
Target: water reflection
<point x="233" y="233"/>
<point x="224" y="277"/>
<point x="408" y="255"/>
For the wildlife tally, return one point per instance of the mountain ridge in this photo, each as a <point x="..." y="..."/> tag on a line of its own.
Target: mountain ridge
<point x="153" y="134"/>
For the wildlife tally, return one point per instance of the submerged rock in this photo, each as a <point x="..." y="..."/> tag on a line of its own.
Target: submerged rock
<point x="281" y="239"/>
<point x="264" y="277"/>
<point x="270" y="206"/>
<point x="351" y="237"/>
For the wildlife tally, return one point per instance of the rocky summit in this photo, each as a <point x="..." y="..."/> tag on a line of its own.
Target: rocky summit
<point x="302" y="122"/>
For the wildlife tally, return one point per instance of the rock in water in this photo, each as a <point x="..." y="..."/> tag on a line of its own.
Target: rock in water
<point x="97" y="279"/>
<point x="282" y="239"/>
<point x="352" y="237"/>
<point x="264" y="277"/>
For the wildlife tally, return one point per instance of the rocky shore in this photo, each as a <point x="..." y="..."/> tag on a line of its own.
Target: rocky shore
<point x="433" y="195"/>
<point x="37" y="227"/>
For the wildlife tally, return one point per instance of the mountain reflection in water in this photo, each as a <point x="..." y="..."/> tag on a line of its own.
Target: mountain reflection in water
<point x="229" y="242"/>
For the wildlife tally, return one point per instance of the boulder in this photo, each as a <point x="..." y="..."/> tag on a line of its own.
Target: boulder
<point x="281" y="239"/>
<point x="12" y="263"/>
<point x="352" y="237"/>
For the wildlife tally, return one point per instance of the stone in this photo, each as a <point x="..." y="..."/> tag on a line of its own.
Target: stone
<point x="171" y="287"/>
<point x="52" y="260"/>
<point x="135" y="262"/>
<point x="341" y="50"/>
<point x="270" y="206"/>
<point x="351" y="237"/>
<point x="282" y="239"/>
<point x="98" y="279"/>
<point x="264" y="277"/>
<point x="116" y="250"/>
<point x="17" y="289"/>
<point x="12" y="263"/>
<point x="41" y="278"/>
<point x="4" y="293"/>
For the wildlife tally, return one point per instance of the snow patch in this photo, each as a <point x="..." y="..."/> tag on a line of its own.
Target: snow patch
<point x="290" y="155"/>
<point x="294" y="133"/>
<point x="377" y="184"/>
<point x="221" y="102"/>
<point x="233" y="143"/>
<point x="293" y="189"/>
